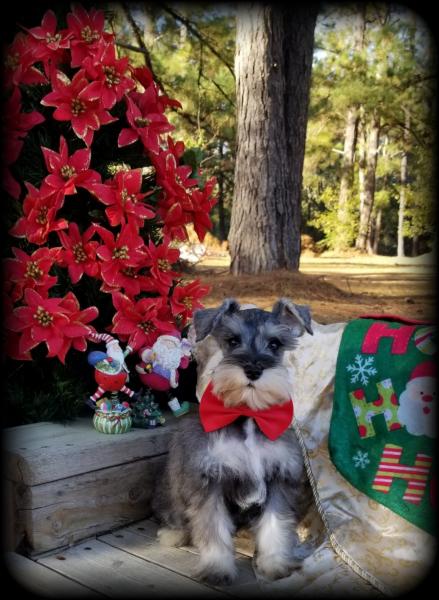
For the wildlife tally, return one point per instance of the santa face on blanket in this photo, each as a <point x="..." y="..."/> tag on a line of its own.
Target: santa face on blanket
<point x="417" y="403"/>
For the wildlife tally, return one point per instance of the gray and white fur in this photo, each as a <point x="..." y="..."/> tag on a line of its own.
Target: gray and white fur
<point x="216" y="482"/>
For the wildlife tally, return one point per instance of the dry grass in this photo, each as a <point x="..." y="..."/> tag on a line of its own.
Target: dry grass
<point x="336" y="287"/>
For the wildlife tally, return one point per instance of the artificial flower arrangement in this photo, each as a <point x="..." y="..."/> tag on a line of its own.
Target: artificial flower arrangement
<point x="108" y="194"/>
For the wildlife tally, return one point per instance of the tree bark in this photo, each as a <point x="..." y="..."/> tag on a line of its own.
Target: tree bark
<point x="274" y="49"/>
<point x="350" y="141"/>
<point x="221" y="213"/>
<point x="347" y="174"/>
<point x="377" y="231"/>
<point x="367" y="198"/>
<point x="402" y="192"/>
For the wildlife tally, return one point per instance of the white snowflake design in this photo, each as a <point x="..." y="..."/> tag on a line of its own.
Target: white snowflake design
<point x="361" y="459"/>
<point x="361" y="369"/>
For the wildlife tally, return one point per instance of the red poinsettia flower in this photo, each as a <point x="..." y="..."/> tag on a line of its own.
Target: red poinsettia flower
<point x="121" y="259"/>
<point x="78" y="101"/>
<point x="202" y="203"/>
<point x="80" y="320"/>
<point x="42" y="320"/>
<point x="86" y="30"/>
<point x="79" y="252"/>
<point x="141" y="322"/>
<point x="50" y="45"/>
<point x="67" y="172"/>
<point x="123" y="198"/>
<point x="19" y="63"/>
<point x="145" y="78"/>
<point x="160" y="260"/>
<point x="173" y="216"/>
<point x="174" y="178"/>
<point x="29" y="271"/>
<point x="110" y="72"/>
<point x="186" y="298"/>
<point x="39" y="208"/>
<point x="146" y="123"/>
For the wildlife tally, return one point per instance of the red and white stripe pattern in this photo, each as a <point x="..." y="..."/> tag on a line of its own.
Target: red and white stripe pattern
<point x="100" y="337"/>
<point x="127" y="391"/>
<point x="98" y="393"/>
<point x="390" y="469"/>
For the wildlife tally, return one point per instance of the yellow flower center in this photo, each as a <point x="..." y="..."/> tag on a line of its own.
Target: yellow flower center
<point x="147" y="326"/>
<point x="67" y="172"/>
<point x="42" y="215"/>
<point x="130" y="272"/>
<point x="89" y="35"/>
<point x="126" y="196"/>
<point x="188" y="302"/>
<point x="142" y="122"/>
<point x="163" y="264"/>
<point x="43" y="317"/>
<point x="33" y="270"/>
<point x="52" y="38"/>
<point x="111" y="76"/>
<point x="78" y="251"/>
<point x="78" y="107"/>
<point x="121" y="253"/>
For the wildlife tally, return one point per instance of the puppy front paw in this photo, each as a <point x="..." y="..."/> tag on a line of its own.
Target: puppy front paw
<point x="272" y="567"/>
<point x="217" y="574"/>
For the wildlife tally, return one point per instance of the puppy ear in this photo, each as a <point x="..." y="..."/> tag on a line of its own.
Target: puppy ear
<point x="205" y="320"/>
<point x="296" y="316"/>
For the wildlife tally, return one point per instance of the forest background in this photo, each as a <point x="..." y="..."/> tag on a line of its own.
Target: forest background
<point x="368" y="178"/>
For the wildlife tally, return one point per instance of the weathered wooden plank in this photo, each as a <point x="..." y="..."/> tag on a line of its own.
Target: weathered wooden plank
<point x="62" y="512"/>
<point x="43" y="452"/>
<point x="37" y="579"/>
<point x="143" y="543"/>
<point x="244" y="542"/>
<point x="117" y="574"/>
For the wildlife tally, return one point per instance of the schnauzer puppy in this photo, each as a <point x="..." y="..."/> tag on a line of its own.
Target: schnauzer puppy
<point x="238" y="463"/>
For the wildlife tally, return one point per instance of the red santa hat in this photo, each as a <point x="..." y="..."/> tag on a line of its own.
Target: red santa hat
<point x="425" y="369"/>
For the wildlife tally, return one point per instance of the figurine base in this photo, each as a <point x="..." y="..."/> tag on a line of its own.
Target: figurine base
<point x="184" y="409"/>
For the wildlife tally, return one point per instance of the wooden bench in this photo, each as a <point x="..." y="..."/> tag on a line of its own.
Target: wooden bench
<point x="65" y="483"/>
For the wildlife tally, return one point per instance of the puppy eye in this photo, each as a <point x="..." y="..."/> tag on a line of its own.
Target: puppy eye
<point x="274" y="345"/>
<point x="234" y="342"/>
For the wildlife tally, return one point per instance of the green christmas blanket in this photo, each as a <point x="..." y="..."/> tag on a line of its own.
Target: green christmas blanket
<point x="383" y="421"/>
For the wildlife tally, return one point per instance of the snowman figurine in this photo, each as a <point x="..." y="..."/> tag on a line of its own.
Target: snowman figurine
<point x="417" y="403"/>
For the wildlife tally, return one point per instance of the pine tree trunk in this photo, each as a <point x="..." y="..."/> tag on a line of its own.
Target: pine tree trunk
<point x="377" y="231"/>
<point x="273" y="60"/>
<point x="347" y="173"/>
<point x="350" y="140"/>
<point x="366" y="201"/>
<point x="402" y="192"/>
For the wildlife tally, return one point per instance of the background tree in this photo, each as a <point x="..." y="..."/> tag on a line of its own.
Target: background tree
<point x="354" y="185"/>
<point x="273" y="69"/>
<point x="190" y="48"/>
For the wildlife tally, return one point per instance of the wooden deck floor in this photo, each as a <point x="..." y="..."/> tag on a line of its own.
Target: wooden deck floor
<point x="128" y="562"/>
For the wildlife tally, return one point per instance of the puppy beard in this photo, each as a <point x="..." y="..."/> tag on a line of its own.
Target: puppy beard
<point x="234" y="388"/>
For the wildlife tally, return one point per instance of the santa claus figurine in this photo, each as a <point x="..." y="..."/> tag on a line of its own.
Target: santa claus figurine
<point x="159" y="366"/>
<point x="417" y="403"/>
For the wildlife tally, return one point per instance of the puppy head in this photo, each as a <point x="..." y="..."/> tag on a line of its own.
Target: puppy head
<point x="252" y="342"/>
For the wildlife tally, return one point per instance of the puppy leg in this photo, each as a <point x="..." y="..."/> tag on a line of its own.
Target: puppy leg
<point x="276" y="537"/>
<point x="173" y="537"/>
<point x="212" y="532"/>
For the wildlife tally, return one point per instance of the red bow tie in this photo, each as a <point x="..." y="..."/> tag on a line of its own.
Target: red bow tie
<point x="272" y="421"/>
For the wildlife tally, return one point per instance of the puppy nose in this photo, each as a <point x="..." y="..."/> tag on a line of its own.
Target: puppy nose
<point x="253" y="372"/>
